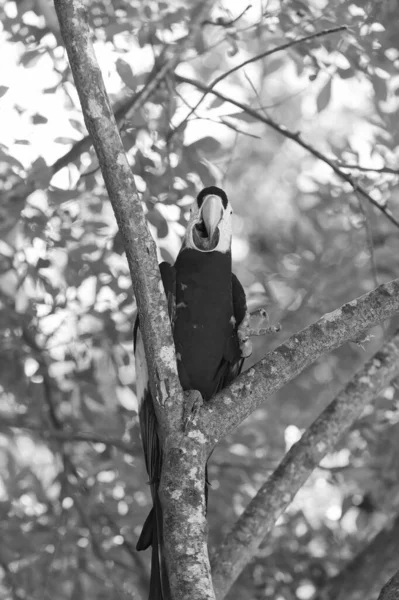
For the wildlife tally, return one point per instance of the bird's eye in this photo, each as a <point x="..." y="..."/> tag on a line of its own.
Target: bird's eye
<point x="231" y="212"/>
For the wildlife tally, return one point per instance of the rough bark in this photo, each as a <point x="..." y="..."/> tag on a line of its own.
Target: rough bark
<point x="236" y="402"/>
<point x="390" y="591"/>
<point x="319" y="439"/>
<point x="184" y="455"/>
<point x="362" y="578"/>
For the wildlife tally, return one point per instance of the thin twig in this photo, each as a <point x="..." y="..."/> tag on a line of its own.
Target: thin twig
<point x="220" y="22"/>
<point x="368" y="169"/>
<point x="296" y="137"/>
<point x="285" y="46"/>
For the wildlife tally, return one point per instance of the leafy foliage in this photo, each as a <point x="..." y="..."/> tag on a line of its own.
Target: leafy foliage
<point x="73" y="491"/>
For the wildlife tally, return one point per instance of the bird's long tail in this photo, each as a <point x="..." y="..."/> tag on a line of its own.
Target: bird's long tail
<point x="152" y="535"/>
<point x="152" y="532"/>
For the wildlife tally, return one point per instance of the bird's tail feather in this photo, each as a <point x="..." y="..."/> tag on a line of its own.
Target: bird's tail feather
<point x="152" y="535"/>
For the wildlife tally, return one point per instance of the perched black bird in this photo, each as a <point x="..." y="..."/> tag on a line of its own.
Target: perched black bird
<point x="206" y="306"/>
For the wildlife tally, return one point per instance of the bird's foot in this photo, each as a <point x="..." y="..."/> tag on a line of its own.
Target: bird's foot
<point x="243" y="336"/>
<point x="192" y="405"/>
<point x="262" y="327"/>
<point x="246" y="329"/>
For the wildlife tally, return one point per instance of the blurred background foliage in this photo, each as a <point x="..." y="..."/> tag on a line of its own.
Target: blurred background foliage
<point x="73" y="488"/>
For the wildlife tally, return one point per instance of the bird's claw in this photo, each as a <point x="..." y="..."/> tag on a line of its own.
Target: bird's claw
<point x="245" y="330"/>
<point x="192" y="405"/>
<point x="243" y="336"/>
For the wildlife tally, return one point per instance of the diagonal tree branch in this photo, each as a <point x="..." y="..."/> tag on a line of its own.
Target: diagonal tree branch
<point x="296" y="137"/>
<point x="255" y="58"/>
<point x="119" y="180"/>
<point x="183" y="472"/>
<point x="241" y="543"/>
<point x="390" y="591"/>
<point x="271" y="51"/>
<point x="236" y="402"/>
<point x="343" y="165"/>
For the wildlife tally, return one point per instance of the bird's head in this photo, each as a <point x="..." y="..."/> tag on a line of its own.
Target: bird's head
<point x="209" y="227"/>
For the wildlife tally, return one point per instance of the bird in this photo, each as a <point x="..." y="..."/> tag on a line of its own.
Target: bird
<point x="207" y="305"/>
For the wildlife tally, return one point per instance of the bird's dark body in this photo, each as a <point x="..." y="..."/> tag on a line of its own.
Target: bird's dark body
<point x="206" y="304"/>
<point x="204" y="320"/>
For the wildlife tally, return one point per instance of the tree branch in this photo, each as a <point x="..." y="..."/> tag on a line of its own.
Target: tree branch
<point x="241" y="543"/>
<point x="343" y="165"/>
<point x="363" y="576"/>
<point x="255" y="58"/>
<point x="285" y="46"/>
<point x="184" y="456"/>
<point x="296" y="137"/>
<point x="119" y="180"/>
<point x="236" y="402"/>
<point x="390" y="591"/>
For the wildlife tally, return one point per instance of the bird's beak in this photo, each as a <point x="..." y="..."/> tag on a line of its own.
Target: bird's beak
<point x="211" y="213"/>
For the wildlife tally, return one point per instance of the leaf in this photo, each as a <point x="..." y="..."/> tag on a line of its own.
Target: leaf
<point x="243" y="116"/>
<point x="3" y="90"/>
<point x="199" y="43"/>
<point x="30" y="57"/>
<point x="142" y="37"/>
<point x="64" y="140"/>
<point x="43" y="263"/>
<point x="205" y="174"/>
<point x="58" y="196"/>
<point x="51" y="90"/>
<point x="126" y="74"/>
<point x="39" y="119"/>
<point x="158" y="221"/>
<point x="380" y="88"/>
<point x="346" y="73"/>
<point x="236" y="129"/>
<point x="76" y="125"/>
<point x="273" y="65"/>
<point x="118" y="245"/>
<point x="216" y="103"/>
<point x="115" y="28"/>
<point x="6" y="158"/>
<point x="41" y="173"/>
<point x="324" y="96"/>
<point x="206" y="144"/>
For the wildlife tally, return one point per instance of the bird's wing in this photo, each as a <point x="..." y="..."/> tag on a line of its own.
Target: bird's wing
<point x="234" y="361"/>
<point x="168" y="274"/>
<point x="148" y="421"/>
<point x="239" y="300"/>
